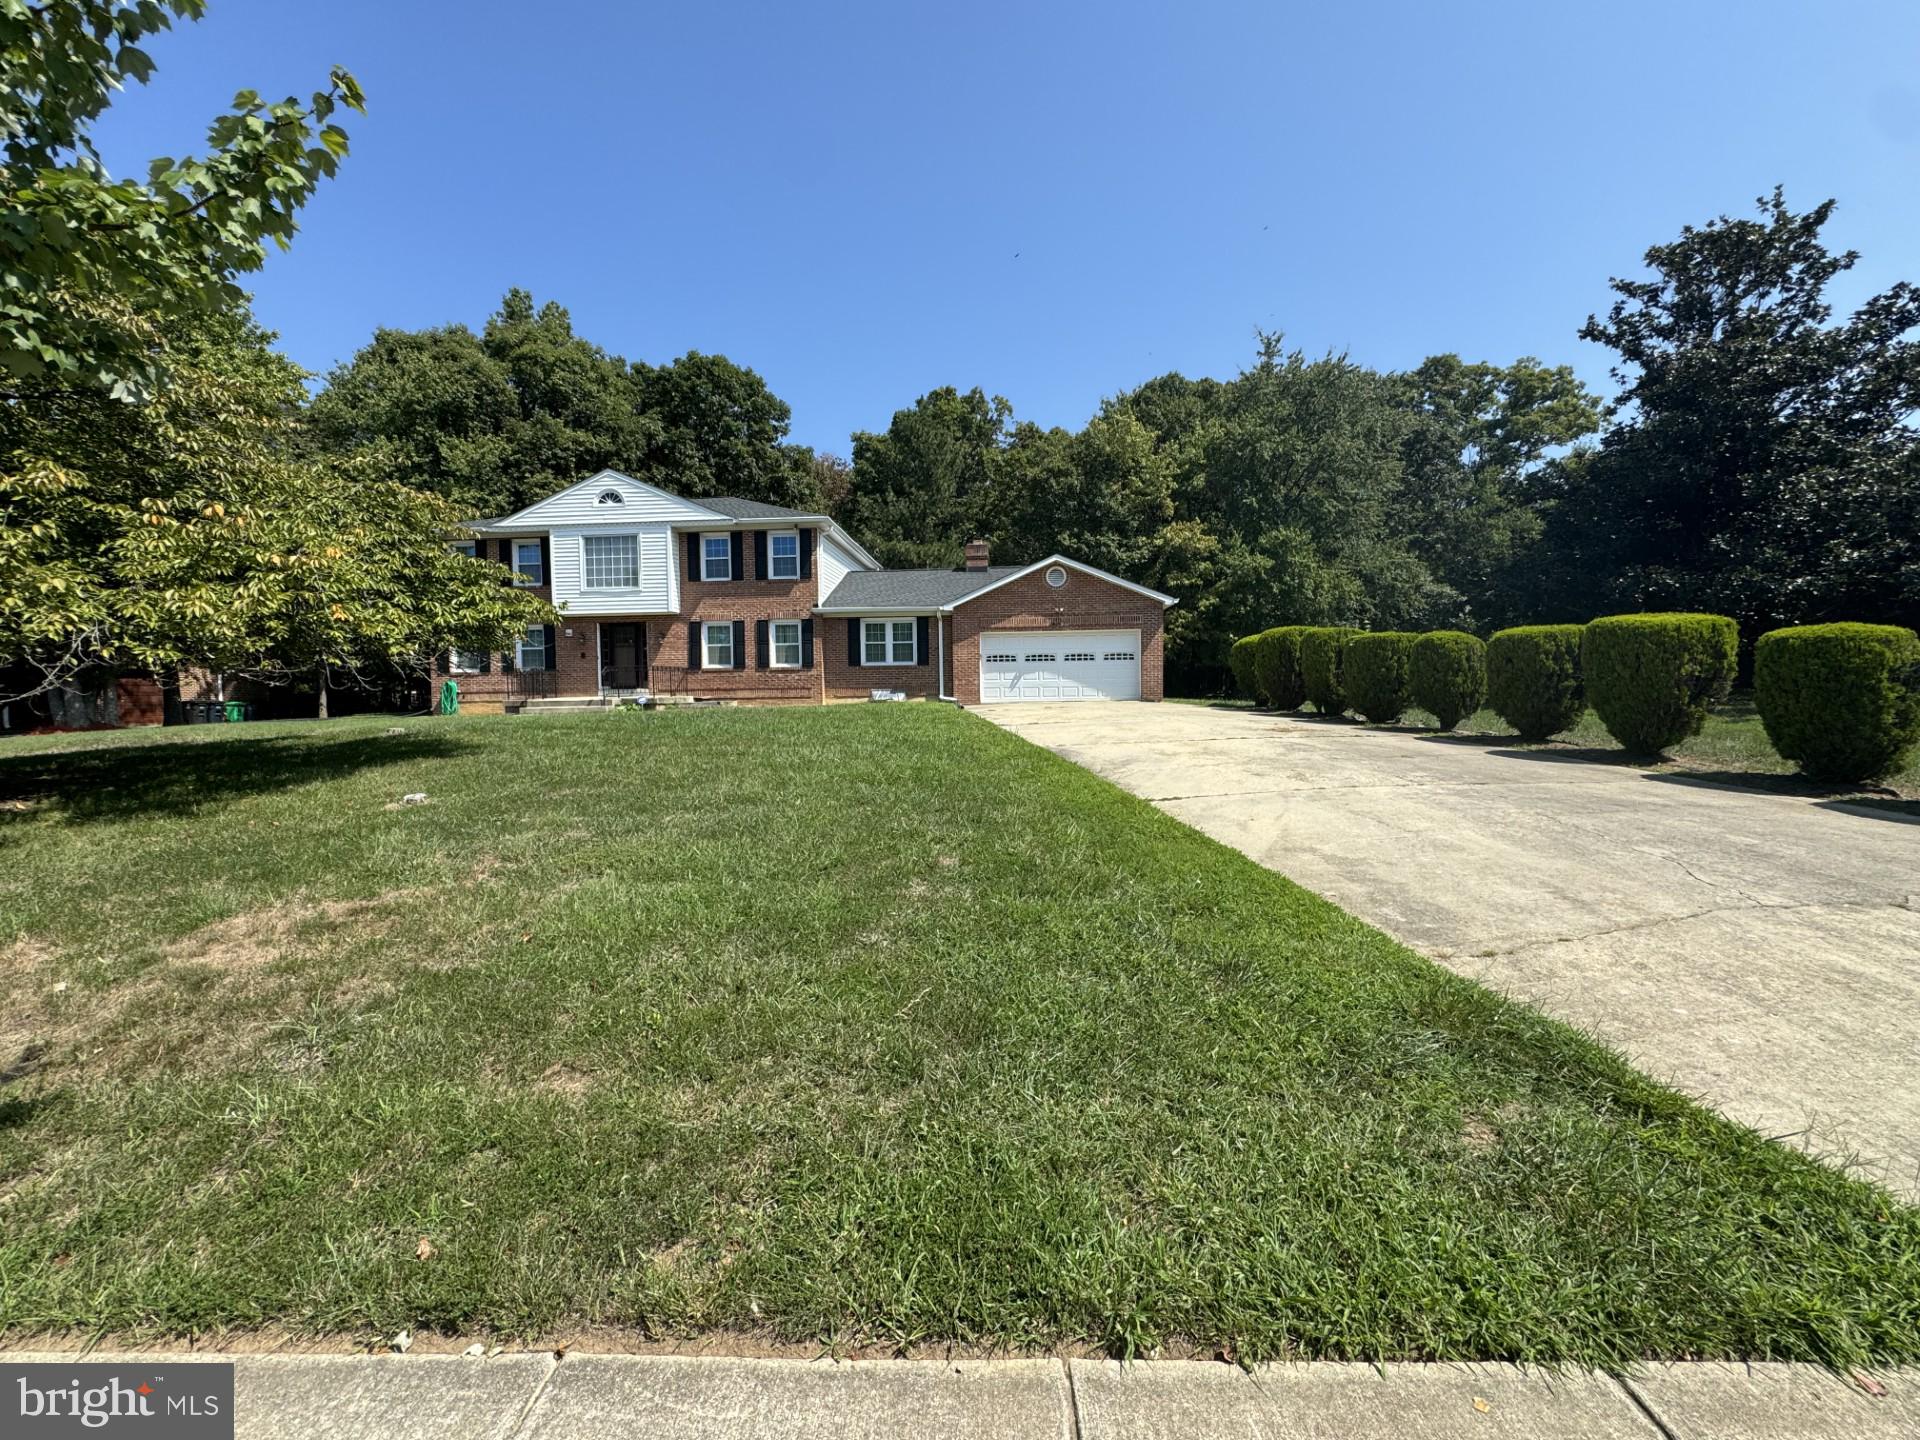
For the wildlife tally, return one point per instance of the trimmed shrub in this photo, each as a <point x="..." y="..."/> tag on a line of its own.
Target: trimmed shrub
<point x="1276" y="667"/>
<point x="1533" y="678"/>
<point x="1842" y="701"/>
<point x="1376" y="674"/>
<point x="1240" y="662"/>
<point x="1651" y="678"/>
<point x="1447" y="674"/>
<point x="1322" y="651"/>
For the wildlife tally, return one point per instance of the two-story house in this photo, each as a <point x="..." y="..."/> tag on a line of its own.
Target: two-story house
<point x="731" y="599"/>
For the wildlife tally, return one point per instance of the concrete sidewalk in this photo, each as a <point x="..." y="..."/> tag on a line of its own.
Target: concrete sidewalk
<point x="1756" y="950"/>
<point x="599" y="1397"/>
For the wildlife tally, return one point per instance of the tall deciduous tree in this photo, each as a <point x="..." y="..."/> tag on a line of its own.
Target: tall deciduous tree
<point x="87" y="256"/>
<point x="721" y="431"/>
<point x="1765" y="463"/>
<point x="916" y="487"/>
<point x="190" y="530"/>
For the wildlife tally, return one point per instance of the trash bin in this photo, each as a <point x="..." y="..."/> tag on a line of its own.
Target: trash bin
<point x="237" y="711"/>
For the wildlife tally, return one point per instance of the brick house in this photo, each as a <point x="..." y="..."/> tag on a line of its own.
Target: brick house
<point x="731" y="599"/>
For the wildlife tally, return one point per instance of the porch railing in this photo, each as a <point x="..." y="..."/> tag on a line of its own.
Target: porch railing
<point x="532" y="684"/>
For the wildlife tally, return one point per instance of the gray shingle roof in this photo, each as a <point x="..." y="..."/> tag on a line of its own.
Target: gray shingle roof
<point x="736" y="509"/>
<point x="879" y="590"/>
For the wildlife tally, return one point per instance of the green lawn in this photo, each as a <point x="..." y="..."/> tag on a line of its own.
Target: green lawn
<point x="870" y="1025"/>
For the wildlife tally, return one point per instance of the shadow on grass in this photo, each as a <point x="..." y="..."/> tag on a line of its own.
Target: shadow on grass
<point x="83" y="786"/>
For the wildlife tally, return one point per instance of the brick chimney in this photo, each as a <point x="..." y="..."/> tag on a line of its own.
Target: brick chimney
<point x="977" y="554"/>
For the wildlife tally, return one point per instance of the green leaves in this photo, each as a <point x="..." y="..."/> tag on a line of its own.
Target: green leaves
<point x="78" y="246"/>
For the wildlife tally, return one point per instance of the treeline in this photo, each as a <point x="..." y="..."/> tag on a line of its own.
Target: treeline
<point x="1759" y="459"/>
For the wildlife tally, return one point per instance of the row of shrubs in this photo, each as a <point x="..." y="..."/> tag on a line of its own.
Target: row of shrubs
<point x="1842" y="701"/>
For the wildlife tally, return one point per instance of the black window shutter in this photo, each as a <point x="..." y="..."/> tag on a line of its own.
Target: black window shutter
<point x="443" y="663"/>
<point x="546" y="564"/>
<point x="739" y="557"/>
<point x="694" y="631"/>
<point x="806" y="644"/>
<point x="853" y="640"/>
<point x="693" y="555"/>
<point x="739" y="643"/>
<point x="760" y="644"/>
<point x="546" y="636"/>
<point x="506" y="662"/>
<point x="760" y="571"/>
<point x="486" y="663"/>
<point x="506" y="553"/>
<point x="806" y="554"/>
<point x="922" y="648"/>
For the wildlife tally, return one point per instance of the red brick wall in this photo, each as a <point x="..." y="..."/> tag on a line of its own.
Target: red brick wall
<point x="1085" y="602"/>
<point x="139" y="701"/>
<point x="847" y="681"/>
<point x="750" y="599"/>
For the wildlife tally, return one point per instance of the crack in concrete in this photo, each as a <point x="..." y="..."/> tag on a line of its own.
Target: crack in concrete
<point x="1659" y="920"/>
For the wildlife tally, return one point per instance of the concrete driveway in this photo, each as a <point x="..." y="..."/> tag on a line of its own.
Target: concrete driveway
<point x="1759" y="951"/>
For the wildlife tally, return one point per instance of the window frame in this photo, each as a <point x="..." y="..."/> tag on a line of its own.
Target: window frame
<point x="773" y="559"/>
<point x="887" y="622"/>
<point x="707" y="627"/>
<point x="586" y="564"/>
<point x="539" y="565"/>
<point x="468" y="548"/>
<point x="774" y="662"/>
<point x="456" y="659"/>
<point x="520" y="650"/>
<point x="725" y="537"/>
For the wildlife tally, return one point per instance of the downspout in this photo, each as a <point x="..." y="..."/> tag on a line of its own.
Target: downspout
<point x="940" y="655"/>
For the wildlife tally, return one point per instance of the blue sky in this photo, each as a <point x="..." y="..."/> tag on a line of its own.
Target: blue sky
<point x="1052" y="201"/>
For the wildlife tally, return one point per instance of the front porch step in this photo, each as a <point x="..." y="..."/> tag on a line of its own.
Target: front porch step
<point x="549" y="704"/>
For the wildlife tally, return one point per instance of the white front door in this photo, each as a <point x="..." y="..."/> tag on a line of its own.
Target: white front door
<point x="1059" y="665"/>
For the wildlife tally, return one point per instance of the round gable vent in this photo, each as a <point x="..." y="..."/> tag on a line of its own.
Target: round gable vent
<point x="1056" y="577"/>
<point x="612" y="497"/>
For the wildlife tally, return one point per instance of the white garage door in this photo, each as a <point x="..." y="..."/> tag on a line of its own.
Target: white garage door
<point x="1060" y="665"/>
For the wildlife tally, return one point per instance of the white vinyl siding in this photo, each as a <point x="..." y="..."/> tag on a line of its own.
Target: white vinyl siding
<point x="831" y="565"/>
<point x="655" y="593"/>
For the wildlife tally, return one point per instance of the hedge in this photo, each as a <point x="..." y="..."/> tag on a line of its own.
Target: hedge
<point x="1376" y="674"/>
<point x="1651" y="678"/>
<point x="1276" y="666"/>
<point x="1842" y="701"/>
<point x="1447" y="674"/>
<point x="1533" y="678"/>
<point x="1240" y="662"/>
<point x="1322" y="652"/>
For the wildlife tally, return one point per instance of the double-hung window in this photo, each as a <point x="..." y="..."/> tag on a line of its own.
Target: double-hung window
<point x="527" y="568"/>
<point x="464" y="547"/>
<point x="531" y="651"/>
<point x="466" y="662"/>
<point x="716" y="557"/>
<point x="786" y="644"/>
<point x="612" y="562"/>
<point x="783" y="555"/>
<point x="716" y="643"/>
<point x="887" y="642"/>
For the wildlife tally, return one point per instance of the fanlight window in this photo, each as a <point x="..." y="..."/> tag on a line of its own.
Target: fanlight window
<point x="612" y="497"/>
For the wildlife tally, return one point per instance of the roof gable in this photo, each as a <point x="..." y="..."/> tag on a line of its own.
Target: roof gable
<point x="1070" y="564"/>
<point x="579" y="503"/>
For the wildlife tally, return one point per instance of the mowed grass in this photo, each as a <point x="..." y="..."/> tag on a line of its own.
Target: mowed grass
<point x="866" y="1025"/>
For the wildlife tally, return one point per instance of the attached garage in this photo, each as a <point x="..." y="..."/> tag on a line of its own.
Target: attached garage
<point x="1059" y="665"/>
<point x="1056" y="630"/>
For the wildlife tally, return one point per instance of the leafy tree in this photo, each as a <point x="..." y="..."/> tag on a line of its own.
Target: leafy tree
<point x="916" y="487"/>
<point x="491" y="422"/>
<point x="190" y="530"/>
<point x="87" y="256"/>
<point x="1765" y="464"/>
<point x="1479" y="438"/>
<point x="721" y="431"/>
